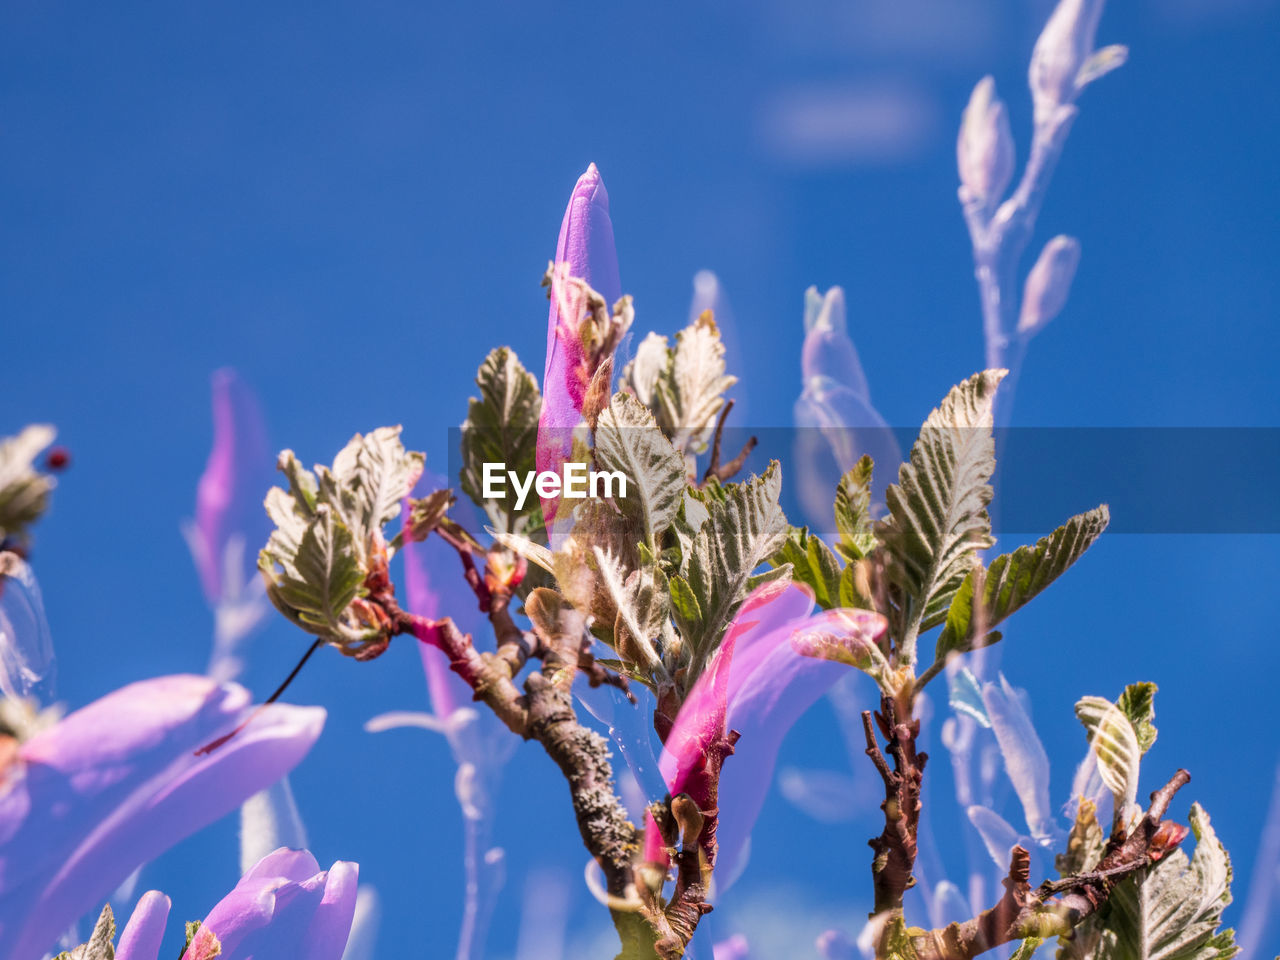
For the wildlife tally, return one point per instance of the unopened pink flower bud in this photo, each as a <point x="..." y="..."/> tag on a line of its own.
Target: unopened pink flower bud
<point x="984" y="150"/>
<point x="1065" y="44"/>
<point x="1048" y="283"/>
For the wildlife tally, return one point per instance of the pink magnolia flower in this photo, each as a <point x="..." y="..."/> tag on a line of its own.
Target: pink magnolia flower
<point x="758" y="684"/>
<point x="585" y="250"/>
<point x="284" y="908"/>
<point x="116" y="783"/>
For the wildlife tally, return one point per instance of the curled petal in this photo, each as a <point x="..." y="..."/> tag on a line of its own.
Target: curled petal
<point x="285" y="906"/>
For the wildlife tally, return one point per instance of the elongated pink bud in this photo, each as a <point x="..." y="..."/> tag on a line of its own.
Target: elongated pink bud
<point x="984" y="149"/>
<point x="1049" y="283"/>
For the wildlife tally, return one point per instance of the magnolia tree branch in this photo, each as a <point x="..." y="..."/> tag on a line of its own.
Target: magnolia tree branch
<point x="895" y="848"/>
<point x="1054" y="909"/>
<point x="544" y="712"/>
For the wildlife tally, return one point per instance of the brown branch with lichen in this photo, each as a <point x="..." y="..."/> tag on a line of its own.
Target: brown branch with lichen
<point x="543" y="712"/>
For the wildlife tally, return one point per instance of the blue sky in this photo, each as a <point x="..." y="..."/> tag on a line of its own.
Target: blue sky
<point x="352" y="203"/>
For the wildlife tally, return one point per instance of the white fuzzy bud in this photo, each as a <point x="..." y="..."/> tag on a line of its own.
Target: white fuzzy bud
<point x="1048" y="283"/>
<point x="1065" y="44"/>
<point x="984" y="149"/>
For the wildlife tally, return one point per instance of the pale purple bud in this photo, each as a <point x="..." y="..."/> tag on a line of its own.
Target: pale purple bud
<point x="145" y="930"/>
<point x="1049" y="283"/>
<point x="1065" y="45"/>
<point x="984" y="149"/>
<point x="585" y="250"/>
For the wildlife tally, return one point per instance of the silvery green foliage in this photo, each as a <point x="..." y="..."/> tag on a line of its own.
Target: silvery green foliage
<point x="24" y="492"/>
<point x="1113" y="739"/>
<point x="744" y="527"/>
<point x="683" y="385"/>
<point x="100" y="945"/>
<point x="628" y="440"/>
<point x="938" y="519"/>
<point x="1172" y="910"/>
<point x="502" y="427"/>
<point x="1013" y="579"/>
<point x="328" y="535"/>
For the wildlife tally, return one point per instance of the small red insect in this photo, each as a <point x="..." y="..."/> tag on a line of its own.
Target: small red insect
<point x="59" y="458"/>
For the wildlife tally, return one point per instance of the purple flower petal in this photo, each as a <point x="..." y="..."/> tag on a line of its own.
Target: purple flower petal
<point x="286" y="907"/>
<point x="117" y="783"/>
<point x="586" y="248"/>
<point x="229" y="494"/>
<point x="145" y="929"/>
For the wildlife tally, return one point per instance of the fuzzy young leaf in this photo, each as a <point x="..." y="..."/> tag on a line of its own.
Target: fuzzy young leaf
<point x="370" y="478"/>
<point x="427" y="513"/>
<point x="1138" y="704"/>
<point x="813" y="564"/>
<point x="101" y="943"/>
<point x="24" y="492"/>
<point x="628" y="440"/>
<point x="315" y="584"/>
<point x="740" y="533"/>
<point x="1173" y="910"/>
<point x="502" y="427"/>
<point x="853" y="642"/>
<point x="1027" y="948"/>
<point x="1113" y="739"/>
<point x="683" y="385"/>
<point x="1015" y="578"/>
<point x="938" y="509"/>
<point x="853" y="511"/>
<point x="640" y="599"/>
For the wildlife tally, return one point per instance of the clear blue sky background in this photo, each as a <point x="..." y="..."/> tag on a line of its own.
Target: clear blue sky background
<point x="352" y="203"/>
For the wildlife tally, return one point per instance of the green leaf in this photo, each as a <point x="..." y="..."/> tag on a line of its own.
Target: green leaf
<point x="1173" y="910"/>
<point x="853" y="511"/>
<point x="739" y="535"/>
<point x="502" y="427"/>
<point x="1028" y="947"/>
<point x="426" y="513"/>
<point x="24" y="492"/>
<point x="682" y="385"/>
<point x="100" y="945"/>
<point x="813" y="564"/>
<point x="1014" y="578"/>
<point x="628" y="440"/>
<point x="1138" y="704"/>
<point x="685" y="606"/>
<point x="315" y="584"/>
<point x="370" y="478"/>
<point x="1112" y="737"/>
<point x="640" y="599"/>
<point x="938" y="519"/>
